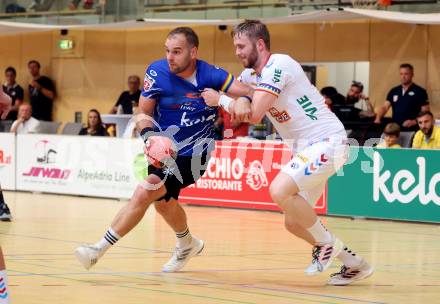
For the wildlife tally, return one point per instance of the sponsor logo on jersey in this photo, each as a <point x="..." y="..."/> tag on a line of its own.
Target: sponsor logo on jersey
<point x="193" y="95"/>
<point x="279" y="116"/>
<point x="148" y="82"/>
<point x="187" y="122"/>
<point x="153" y="73"/>
<point x="308" y="107"/>
<point x="277" y="76"/>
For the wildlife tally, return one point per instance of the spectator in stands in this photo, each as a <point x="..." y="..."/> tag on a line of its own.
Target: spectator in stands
<point x="25" y="123"/>
<point x="14" y="90"/>
<point x="232" y="128"/>
<point x="41" y="92"/>
<point x="41" y="5"/>
<point x="94" y="125"/>
<point x="332" y="96"/>
<point x="359" y="100"/>
<point x="428" y="137"/>
<point x="406" y="100"/>
<point x="88" y="4"/>
<point x="128" y="99"/>
<point x="391" y="136"/>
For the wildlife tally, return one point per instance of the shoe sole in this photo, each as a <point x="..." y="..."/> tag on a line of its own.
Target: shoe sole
<point x="337" y="248"/>
<point x="80" y="257"/>
<point x="197" y="253"/>
<point x="365" y="276"/>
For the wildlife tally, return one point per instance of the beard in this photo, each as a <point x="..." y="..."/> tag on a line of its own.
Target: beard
<point x="351" y="100"/>
<point x="427" y="131"/>
<point x="251" y="60"/>
<point x="176" y="69"/>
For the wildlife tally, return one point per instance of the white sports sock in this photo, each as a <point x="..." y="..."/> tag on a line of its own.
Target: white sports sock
<point x="183" y="238"/>
<point x="4" y="290"/>
<point x="110" y="238"/>
<point x="320" y="233"/>
<point x="349" y="258"/>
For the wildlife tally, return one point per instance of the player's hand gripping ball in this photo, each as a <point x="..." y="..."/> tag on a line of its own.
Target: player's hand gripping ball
<point x="160" y="151"/>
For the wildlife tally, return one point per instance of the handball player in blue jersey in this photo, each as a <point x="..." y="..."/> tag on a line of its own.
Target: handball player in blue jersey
<point x="172" y="95"/>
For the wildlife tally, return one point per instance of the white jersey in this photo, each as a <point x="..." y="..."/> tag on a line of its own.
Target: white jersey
<point x="299" y="113"/>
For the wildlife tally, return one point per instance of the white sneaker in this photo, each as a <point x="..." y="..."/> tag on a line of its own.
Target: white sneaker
<point x="323" y="256"/>
<point x="181" y="256"/>
<point x="88" y="255"/>
<point x="348" y="275"/>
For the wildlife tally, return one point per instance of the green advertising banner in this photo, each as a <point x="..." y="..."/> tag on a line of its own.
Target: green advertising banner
<point x="401" y="184"/>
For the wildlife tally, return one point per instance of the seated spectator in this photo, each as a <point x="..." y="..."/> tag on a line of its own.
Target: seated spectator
<point x="391" y="136"/>
<point x="332" y="97"/>
<point x="128" y="99"/>
<point x="14" y="90"/>
<point x="88" y="4"/>
<point x="359" y="101"/>
<point x="25" y="123"/>
<point x="428" y="137"/>
<point x="406" y="100"/>
<point x="94" y="125"/>
<point x="41" y="92"/>
<point x="41" y="5"/>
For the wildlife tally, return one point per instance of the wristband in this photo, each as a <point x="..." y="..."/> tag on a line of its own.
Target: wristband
<point x="247" y="97"/>
<point x="225" y="102"/>
<point x="147" y="132"/>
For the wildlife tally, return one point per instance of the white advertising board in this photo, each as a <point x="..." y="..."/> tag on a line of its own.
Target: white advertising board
<point x="94" y="166"/>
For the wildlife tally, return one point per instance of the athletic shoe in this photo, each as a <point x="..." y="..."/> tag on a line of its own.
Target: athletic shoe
<point x="323" y="256"/>
<point x="348" y="275"/>
<point x="182" y="255"/>
<point x="5" y="213"/>
<point x="88" y="255"/>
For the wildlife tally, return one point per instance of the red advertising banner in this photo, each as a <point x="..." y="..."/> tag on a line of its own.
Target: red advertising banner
<point x="239" y="174"/>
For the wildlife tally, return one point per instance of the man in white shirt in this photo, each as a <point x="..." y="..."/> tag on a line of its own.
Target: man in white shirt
<point x="25" y="123"/>
<point x="299" y="113"/>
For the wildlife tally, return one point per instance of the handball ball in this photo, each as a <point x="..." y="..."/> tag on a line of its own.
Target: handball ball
<point x="160" y="151"/>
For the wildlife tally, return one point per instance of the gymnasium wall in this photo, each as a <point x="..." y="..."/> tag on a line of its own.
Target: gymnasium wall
<point x="95" y="74"/>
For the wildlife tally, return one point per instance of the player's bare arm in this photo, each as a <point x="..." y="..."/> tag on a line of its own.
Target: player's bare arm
<point x="145" y="118"/>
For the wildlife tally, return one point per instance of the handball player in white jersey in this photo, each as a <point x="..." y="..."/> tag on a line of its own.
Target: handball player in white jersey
<point x="298" y="112"/>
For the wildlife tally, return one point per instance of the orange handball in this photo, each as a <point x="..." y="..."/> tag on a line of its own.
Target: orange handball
<point x="160" y="151"/>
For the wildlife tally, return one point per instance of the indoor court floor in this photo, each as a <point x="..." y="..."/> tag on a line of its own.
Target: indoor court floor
<point x="248" y="258"/>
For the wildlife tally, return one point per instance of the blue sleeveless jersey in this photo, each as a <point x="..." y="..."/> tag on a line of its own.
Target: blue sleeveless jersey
<point x="180" y="106"/>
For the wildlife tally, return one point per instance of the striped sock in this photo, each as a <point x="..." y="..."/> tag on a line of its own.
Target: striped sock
<point x="110" y="238"/>
<point x="4" y="291"/>
<point x="183" y="238"/>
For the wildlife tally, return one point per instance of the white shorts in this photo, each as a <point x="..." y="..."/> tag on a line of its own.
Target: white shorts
<point x="312" y="166"/>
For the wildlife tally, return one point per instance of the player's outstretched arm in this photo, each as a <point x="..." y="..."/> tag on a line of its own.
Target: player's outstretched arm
<point x="238" y="89"/>
<point x="5" y="104"/>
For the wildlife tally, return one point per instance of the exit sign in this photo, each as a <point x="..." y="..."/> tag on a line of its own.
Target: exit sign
<point x="65" y="44"/>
